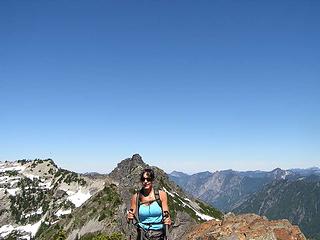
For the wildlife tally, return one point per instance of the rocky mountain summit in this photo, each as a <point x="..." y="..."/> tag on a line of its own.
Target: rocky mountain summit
<point x="245" y="227"/>
<point x="185" y="210"/>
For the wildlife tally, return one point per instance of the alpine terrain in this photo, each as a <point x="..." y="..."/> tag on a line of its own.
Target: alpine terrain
<point x="41" y="201"/>
<point x="226" y="189"/>
<point x="296" y="200"/>
<point x="280" y="194"/>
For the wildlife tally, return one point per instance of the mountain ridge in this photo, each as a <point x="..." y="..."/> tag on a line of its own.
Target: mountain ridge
<point x="270" y="194"/>
<point x="74" y="207"/>
<point x="82" y="205"/>
<point x="298" y="201"/>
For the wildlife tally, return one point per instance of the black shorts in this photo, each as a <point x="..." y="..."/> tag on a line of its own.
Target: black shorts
<point x="150" y="234"/>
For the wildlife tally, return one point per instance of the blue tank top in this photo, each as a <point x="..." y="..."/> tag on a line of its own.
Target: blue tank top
<point x="150" y="214"/>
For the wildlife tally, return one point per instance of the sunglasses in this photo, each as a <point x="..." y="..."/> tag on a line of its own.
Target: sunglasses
<point x="149" y="179"/>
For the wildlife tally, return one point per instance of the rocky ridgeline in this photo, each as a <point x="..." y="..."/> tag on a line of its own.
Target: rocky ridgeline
<point x="227" y="189"/>
<point x="245" y="227"/>
<point x="35" y="193"/>
<point x="105" y="212"/>
<point x="38" y="200"/>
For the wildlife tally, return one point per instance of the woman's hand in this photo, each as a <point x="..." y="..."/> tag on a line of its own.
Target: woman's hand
<point x="130" y="214"/>
<point x="167" y="221"/>
<point x="165" y="208"/>
<point x="133" y="206"/>
<point x="166" y="218"/>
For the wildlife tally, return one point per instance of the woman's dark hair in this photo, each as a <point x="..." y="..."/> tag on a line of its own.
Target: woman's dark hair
<point x="149" y="172"/>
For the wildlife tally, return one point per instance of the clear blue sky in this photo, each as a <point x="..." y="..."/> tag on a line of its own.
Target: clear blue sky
<point x="190" y="85"/>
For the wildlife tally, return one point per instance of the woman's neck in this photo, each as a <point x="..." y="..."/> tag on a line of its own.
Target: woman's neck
<point x="146" y="192"/>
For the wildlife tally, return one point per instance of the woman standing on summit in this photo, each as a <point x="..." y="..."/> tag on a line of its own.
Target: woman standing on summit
<point x="150" y="208"/>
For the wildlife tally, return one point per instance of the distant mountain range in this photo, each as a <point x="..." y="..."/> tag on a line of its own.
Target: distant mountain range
<point x="292" y="194"/>
<point x="226" y="189"/>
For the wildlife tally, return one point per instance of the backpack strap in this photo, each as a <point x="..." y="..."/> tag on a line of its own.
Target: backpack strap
<point x="157" y="197"/>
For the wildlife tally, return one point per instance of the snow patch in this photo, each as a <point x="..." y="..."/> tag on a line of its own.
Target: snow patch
<point x="13" y="182"/>
<point x="18" y="168"/>
<point x="46" y="185"/>
<point x="54" y="222"/>
<point x="3" y="178"/>
<point x="78" y="198"/>
<point x="32" y="228"/>
<point x="12" y="191"/>
<point x="286" y="173"/>
<point x="201" y="215"/>
<point x="61" y="212"/>
<point x="168" y="192"/>
<point x="38" y="212"/>
<point x="6" y="230"/>
<point x="31" y="176"/>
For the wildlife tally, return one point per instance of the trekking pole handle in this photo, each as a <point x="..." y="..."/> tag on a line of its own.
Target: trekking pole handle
<point x="130" y="220"/>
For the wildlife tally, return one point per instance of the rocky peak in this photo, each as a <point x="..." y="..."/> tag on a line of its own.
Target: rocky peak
<point x="278" y="173"/>
<point x="128" y="167"/>
<point x="137" y="158"/>
<point x="178" y="174"/>
<point x="245" y="226"/>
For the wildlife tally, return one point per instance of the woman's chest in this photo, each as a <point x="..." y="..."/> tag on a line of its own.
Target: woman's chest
<point x="150" y="210"/>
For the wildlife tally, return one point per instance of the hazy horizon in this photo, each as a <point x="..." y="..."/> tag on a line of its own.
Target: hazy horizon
<point x="166" y="170"/>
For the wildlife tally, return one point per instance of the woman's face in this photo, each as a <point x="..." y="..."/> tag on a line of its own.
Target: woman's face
<point x="146" y="181"/>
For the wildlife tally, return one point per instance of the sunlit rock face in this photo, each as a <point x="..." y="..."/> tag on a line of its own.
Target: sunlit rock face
<point x="243" y="227"/>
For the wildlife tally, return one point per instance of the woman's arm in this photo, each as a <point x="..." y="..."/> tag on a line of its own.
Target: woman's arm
<point x="165" y="208"/>
<point x="133" y="207"/>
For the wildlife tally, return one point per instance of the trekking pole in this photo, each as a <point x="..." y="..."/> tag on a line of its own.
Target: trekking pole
<point x="130" y="221"/>
<point x="140" y="230"/>
<point x="166" y="229"/>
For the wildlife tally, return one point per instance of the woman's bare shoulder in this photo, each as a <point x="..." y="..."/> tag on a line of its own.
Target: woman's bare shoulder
<point x="162" y="194"/>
